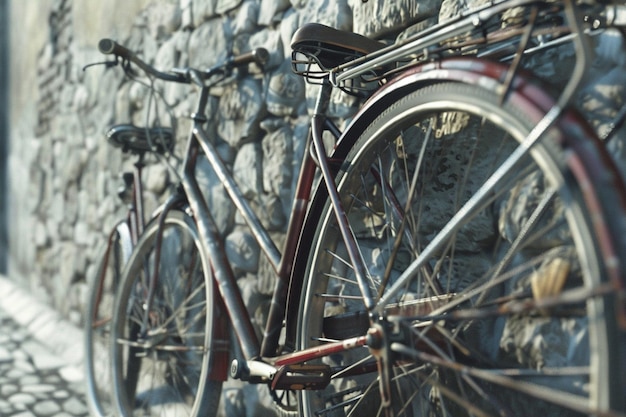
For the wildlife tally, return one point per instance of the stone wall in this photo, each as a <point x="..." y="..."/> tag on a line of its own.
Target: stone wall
<point x="64" y="176"/>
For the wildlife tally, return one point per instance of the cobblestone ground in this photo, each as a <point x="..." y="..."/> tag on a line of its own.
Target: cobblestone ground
<point x="34" y="381"/>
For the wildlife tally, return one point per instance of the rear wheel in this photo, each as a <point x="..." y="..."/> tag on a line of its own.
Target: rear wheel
<point x="163" y="346"/>
<point x="508" y="314"/>
<point x="102" y="290"/>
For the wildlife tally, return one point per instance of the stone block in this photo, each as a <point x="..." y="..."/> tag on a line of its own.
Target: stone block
<point x="247" y="170"/>
<point x="242" y="251"/>
<point x="377" y="17"/>
<point x="208" y="44"/>
<point x="241" y="109"/>
<point x="271" y="11"/>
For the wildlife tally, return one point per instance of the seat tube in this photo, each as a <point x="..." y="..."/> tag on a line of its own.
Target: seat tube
<point x="317" y="127"/>
<point x="138" y="217"/>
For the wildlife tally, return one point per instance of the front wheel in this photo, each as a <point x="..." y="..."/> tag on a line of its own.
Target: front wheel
<point x="509" y="313"/>
<point x="163" y="328"/>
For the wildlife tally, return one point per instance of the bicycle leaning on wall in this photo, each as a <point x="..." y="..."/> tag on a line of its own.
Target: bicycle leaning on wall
<point x="463" y="254"/>
<point x="120" y="243"/>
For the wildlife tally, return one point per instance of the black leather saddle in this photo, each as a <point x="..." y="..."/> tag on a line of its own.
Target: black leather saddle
<point x="139" y="140"/>
<point x="331" y="47"/>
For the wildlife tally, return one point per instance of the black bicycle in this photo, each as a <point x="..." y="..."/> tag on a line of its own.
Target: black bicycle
<point x="463" y="254"/>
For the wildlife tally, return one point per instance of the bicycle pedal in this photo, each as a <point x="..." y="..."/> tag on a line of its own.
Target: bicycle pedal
<point x="301" y="377"/>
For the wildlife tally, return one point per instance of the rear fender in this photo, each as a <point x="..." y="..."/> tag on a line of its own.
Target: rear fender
<point x="529" y="97"/>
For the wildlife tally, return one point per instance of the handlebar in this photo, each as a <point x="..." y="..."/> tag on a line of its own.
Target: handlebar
<point x="258" y="56"/>
<point x="110" y="47"/>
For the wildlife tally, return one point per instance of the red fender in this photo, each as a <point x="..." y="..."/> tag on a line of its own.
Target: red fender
<point x="529" y="97"/>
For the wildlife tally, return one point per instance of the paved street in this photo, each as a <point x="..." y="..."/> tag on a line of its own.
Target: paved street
<point x="41" y="357"/>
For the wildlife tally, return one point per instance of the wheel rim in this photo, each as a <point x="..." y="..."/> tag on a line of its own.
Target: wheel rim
<point x="524" y="248"/>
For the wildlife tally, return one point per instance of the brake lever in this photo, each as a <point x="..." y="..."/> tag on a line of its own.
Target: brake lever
<point x="107" y="64"/>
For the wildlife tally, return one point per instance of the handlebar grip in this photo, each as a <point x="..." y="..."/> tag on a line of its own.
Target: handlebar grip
<point x="110" y="47"/>
<point x="258" y="55"/>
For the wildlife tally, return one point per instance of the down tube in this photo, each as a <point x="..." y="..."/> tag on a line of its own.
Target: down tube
<point x="226" y="283"/>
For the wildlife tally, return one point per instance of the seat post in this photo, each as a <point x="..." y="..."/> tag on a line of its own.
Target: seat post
<point x="323" y="98"/>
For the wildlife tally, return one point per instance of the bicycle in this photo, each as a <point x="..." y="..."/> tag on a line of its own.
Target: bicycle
<point x="462" y="255"/>
<point x="120" y="243"/>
